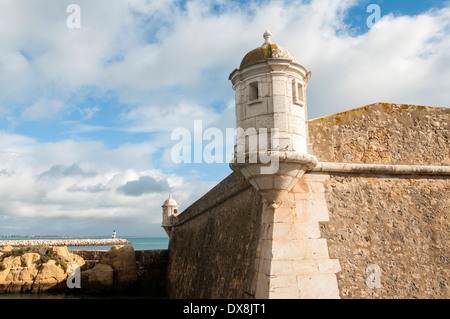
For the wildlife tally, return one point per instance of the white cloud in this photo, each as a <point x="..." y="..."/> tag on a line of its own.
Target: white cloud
<point x="43" y="109"/>
<point x="150" y="53"/>
<point x="168" y="65"/>
<point x="84" y="181"/>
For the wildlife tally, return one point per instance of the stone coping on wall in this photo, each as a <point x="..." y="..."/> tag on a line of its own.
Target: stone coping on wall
<point x="383" y="169"/>
<point x="236" y="182"/>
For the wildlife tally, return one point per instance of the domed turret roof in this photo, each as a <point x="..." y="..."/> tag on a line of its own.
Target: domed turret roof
<point x="170" y="202"/>
<point x="266" y="51"/>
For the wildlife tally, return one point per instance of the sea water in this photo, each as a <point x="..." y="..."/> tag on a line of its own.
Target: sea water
<point x="138" y="243"/>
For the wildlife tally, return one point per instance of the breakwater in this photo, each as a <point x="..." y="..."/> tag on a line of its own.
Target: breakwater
<point x="64" y="242"/>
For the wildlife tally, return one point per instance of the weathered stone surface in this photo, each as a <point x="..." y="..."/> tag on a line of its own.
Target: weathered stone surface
<point x="385" y="134"/>
<point x="399" y="224"/>
<point x="63" y="253"/>
<point x="212" y="252"/>
<point x="98" y="279"/>
<point x="122" y="259"/>
<point x="49" y="275"/>
<point x="151" y="271"/>
<point x="6" y="249"/>
<point x="11" y="262"/>
<point x="29" y="259"/>
<point x="35" y="270"/>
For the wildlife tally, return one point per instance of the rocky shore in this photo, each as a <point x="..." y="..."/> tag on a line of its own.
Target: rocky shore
<point x="64" y="242"/>
<point x="37" y="269"/>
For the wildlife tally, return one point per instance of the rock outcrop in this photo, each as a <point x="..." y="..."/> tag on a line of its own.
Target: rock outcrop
<point x="116" y="272"/>
<point x="35" y="268"/>
<point x="98" y="279"/>
<point x="42" y="268"/>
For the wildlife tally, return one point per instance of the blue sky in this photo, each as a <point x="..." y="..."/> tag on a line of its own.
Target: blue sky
<point x="92" y="109"/>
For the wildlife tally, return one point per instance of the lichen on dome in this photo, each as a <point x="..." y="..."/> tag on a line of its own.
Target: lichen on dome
<point x="266" y="51"/>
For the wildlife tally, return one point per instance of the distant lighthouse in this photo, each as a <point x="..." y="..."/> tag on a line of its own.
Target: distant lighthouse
<point x="114" y="234"/>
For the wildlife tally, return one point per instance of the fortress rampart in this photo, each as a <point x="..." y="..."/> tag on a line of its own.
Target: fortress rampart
<point x="357" y="208"/>
<point x="370" y="221"/>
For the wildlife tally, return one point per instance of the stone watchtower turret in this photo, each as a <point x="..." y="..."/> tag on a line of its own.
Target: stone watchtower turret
<point x="170" y="212"/>
<point x="271" y="150"/>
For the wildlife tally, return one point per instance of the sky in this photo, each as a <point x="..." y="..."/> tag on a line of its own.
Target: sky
<point x="90" y="97"/>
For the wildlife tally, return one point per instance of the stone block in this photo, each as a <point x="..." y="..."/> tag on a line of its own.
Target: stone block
<point x="266" y="89"/>
<point x="280" y="104"/>
<point x="254" y="184"/>
<point x="262" y="286"/>
<point x="245" y="172"/>
<point x="246" y="124"/>
<point x="318" y="209"/>
<point x="318" y="248"/>
<point x="240" y="111"/>
<point x="279" y="87"/>
<point x="282" y="231"/>
<point x="297" y="125"/>
<point x="298" y="110"/>
<point x="267" y="214"/>
<point x="290" y="169"/>
<point x="300" y="249"/>
<point x="316" y="177"/>
<point x="321" y="286"/>
<point x="316" y="187"/>
<point x="254" y="170"/>
<point x="283" y="283"/>
<point x="299" y="143"/>
<point x="284" y="142"/>
<point x="264" y="182"/>
<point x="283" y="181"/>
<point x="255" y="109"/>
<point x="311" y="209"/>
<point x="305" y="267"/>
<point x="280" y="121"/>
<point x="329" y="266"/>
<point x="265" y="121"/>
<point x="282" y="294"/>
<point x="266" y="250"/>
<point x="308" y="229"/>
<point x="283" y="214"/>
<point x="295" y="180"/>
<point x="280" y="267"/>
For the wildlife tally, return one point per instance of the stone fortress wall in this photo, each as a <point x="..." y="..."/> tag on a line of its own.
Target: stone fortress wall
<point x="212" y="249"/>
<point x="397" y="222"/>
<point x="340" y="227"/>
<point x="357" y="207"/>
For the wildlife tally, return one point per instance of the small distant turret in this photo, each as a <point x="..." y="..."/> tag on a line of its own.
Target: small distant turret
<point x="170" y="212"/>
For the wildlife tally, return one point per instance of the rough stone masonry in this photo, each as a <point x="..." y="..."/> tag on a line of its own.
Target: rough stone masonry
<point x="358" y="209"/>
